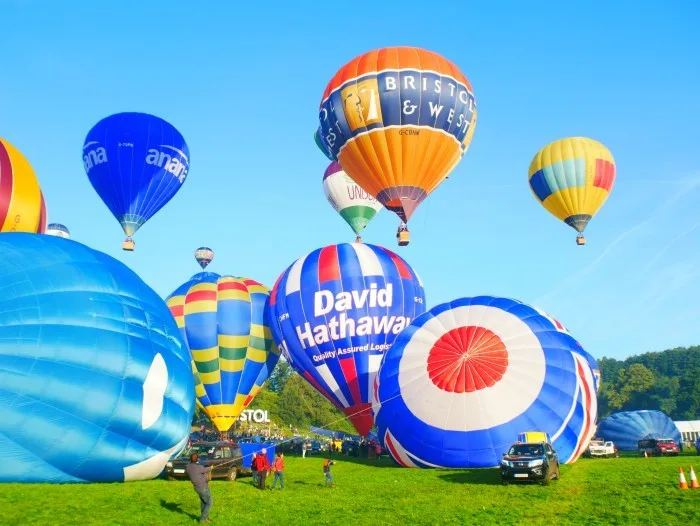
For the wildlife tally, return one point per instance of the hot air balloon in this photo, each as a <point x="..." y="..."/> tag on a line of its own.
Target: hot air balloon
<point x="136" y="163"/>
<point x="58" y="230"/>
<point x="626" y="428"/>
<point x="572" y="178"/>
<point x="336" y="311"/>
<point x="318" y="139"/>
<point x="467" y="377"/>
<point x="398" y="120"/>
<point x="95" y="379"/>
<point x="22" y="206"/>
<point x="222" y="319"/>
<point x="204" y="256"/>
<point x="346" y="197"/>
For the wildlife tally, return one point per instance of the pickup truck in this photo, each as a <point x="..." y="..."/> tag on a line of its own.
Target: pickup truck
<point x="602" y="449"/>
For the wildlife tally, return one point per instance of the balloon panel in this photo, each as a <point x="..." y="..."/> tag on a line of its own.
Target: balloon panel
<point x="398" y="120"/>
<point x="95" y="380"/>
<point x="222" y="320"/>
<point x="136" y="163"/>
<point x="572" y="178"/>
<point x="467" y="377"/>
<point x="336" y="311"/>
<point x="22" y="206"/>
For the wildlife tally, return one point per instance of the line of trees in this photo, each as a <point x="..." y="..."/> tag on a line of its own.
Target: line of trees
<point x="667" y="380"/>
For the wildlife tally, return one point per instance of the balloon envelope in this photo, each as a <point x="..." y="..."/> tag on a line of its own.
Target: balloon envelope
<point x="22" y="206"/>
<point x="626" y="428"/>
<point x="136" y="163"/>
<point x="347" y="198"/>
<point x="95" y="381"/>
<point x="572" y="178"/>
<point x="398" y="120"/>
<point x="336" y="311"/>
<point x="204" y="256"/>
<point x="467" y="377"/>
<point x="318" y="139"/>
<point x="58" y="230"/>
<point x="222" y="320"/>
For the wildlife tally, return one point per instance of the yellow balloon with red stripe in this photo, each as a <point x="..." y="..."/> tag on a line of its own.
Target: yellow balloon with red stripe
<point x="22" y="206"/>
<point x="572" y="178"/>
<point x="398" y="120"/>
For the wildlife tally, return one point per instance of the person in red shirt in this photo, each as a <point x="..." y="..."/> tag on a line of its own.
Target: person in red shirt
<point x="263" y="466"/>
<point x="278" y="469"/>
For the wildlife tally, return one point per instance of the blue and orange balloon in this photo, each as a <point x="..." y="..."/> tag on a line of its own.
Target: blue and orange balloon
<point x="335" y="312"/>
<point x="95" y="381"/>
<point x="222" y="320"/>
<point x="572" y="178"/>
<point x="466" y="378"/>
<point x="136" y="163"/>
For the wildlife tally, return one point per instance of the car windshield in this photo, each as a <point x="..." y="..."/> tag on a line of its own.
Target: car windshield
<point x="203" y="450"/>
<point x="667" y="441"/>
<point x="525" y="449"/>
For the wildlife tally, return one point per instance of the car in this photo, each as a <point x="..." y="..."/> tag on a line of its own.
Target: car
<point x="657" y="447"/>
<point x="601" y="449"/>
<point x="224" y="458"/>
<point x="530" y="461"/>
<point x="350" y="448"/>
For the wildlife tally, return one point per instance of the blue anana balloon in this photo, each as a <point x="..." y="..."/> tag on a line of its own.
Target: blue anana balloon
<point x="466" y="378"/>
<point x="95" y="381"/>
<point x="136" y="163"/>
<point x="336" y="311"/>
<point x="626" y="428"/>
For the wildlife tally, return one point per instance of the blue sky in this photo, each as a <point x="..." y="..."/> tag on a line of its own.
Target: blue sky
<point x="242" y="82"/>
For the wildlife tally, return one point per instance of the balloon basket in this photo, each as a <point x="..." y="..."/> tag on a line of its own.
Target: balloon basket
<point x="128" y="244"/>
<point x="358" y="239"/>
<point x="580" y="240"/>
<point x="404" y="237"/>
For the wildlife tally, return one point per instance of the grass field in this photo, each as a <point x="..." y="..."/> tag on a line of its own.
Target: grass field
<point x="628" y="490"/>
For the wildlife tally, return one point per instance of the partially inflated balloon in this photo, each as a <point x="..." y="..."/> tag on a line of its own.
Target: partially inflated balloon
<point x="626" y="428"/>
<point x="318" y="139"/>
<point x="136" y="163"/>
<point x="346" y="197"/>
<point x="337" y="311"/>
<point x="95" y="381"/>
<point x="22" y="206"/>
<point x="572" y="178"/>
<point x="467" y="377"/>
<point x="222" y="319"/>
<point x="398" y="120"/>
<point x="58" y="230"/>
<point x="204" y="256"/>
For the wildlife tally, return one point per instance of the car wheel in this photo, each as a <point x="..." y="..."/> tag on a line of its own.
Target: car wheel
<point x="505" y="482"/>
<point x="556" y="474"/>
<point x="232" y="474"/>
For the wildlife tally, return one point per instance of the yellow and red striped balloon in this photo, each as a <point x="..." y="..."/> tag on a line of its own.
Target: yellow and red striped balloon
<point x="22" y="206"/>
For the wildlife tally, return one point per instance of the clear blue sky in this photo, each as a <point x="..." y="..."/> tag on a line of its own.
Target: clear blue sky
<point x="242" y="82"/>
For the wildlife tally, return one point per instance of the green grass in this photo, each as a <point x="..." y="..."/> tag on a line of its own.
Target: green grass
<point x="628" y="490"/>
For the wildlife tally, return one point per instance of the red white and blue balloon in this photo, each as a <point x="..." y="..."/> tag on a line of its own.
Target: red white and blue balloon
<point x="334" y="313"/>
<point x="465" y="378"/>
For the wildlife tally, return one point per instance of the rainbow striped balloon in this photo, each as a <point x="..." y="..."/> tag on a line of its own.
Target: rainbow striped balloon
<point x="572" y="178"/>
<point x="222" y="320"/>
<point x="22" y="206"/>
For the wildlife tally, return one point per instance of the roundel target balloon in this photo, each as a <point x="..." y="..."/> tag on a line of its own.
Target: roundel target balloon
<point x="335" y="312"/>
<point x="95" y="381"/>
<point x="467" y="377"/>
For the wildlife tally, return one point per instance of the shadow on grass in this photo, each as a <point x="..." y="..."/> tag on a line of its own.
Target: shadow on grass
<point x="490" y="477"/>
<point x="175" y="508"/>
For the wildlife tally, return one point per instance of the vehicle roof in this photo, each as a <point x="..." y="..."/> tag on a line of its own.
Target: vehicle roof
<point x="529" y="444"/>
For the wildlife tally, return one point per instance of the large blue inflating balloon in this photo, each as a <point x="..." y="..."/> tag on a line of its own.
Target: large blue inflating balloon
<point x="136" y="162"/>
<point x="626" y="428"/>
<point x="95" y="381"/>
<point x="467" y="377"/>
<point x="336" y="311"/>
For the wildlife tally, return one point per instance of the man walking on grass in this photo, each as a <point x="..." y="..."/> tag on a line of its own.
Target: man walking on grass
<point x="200" y="480"/>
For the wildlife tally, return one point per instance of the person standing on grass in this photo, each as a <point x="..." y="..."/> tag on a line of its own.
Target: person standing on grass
<point x="278" y="469"/>
<point x="327" y="470"/>
<point x="200" y="480"/>
<point x="254" y="469"/>
<point x="263" y="466"/>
